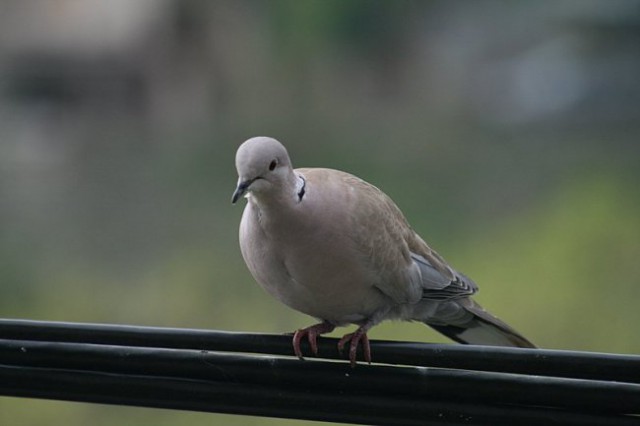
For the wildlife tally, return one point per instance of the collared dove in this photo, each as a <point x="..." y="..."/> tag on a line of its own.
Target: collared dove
<point x="335" y="247"/>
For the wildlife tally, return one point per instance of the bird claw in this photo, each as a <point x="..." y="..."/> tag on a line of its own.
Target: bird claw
<point x="311" y="334"/>
<point x="360" y="335"/>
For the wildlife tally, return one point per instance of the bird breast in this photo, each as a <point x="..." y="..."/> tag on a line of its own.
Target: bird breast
<point x="296" y="261"/>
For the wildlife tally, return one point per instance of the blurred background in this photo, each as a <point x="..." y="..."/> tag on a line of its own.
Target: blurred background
<point x="508" y="132"/>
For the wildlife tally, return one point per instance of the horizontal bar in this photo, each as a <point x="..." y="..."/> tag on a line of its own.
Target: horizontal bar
<point x="234" y="398"/>
<point x="571" y="364"/>
<point x="489" y="388"/>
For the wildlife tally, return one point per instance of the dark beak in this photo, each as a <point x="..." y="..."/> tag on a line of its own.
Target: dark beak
<point x="240" y="190"/>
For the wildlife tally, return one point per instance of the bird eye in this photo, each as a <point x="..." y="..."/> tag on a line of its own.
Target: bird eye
<point x="273" y="165"/>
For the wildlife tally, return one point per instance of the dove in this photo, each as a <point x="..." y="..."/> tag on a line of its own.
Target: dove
<point x="329" y="244"/>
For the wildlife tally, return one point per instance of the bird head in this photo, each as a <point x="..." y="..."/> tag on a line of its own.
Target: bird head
<point x="262" y="164"/>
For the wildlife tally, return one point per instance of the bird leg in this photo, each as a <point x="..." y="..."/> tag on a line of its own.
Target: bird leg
<point x="312" y="334"/>
<point x="360" y="335"/>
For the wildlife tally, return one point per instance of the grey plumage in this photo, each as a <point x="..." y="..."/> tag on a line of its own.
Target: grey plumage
<point x="335" y="247"/>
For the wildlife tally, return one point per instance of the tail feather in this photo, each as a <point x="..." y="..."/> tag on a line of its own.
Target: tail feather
<point x="482" y="329"/>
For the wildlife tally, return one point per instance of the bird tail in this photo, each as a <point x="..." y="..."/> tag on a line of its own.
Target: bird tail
<point x="482" y="329"/>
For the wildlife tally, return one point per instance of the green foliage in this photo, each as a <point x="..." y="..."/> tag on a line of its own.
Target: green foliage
<point x="565" y="272"/>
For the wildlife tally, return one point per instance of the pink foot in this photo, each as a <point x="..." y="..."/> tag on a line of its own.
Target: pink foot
<point x="312" y="334"/>
<point x="360" y="335"/>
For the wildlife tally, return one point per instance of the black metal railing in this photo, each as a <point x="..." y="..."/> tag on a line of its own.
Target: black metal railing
<point x="255" y="374"/>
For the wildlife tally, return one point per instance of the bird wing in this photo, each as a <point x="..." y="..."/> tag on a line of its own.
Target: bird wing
<point x="437" y="286"/>
<point x="408" y="268"/>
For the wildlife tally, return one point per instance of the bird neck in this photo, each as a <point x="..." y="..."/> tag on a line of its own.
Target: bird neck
<point x="284" y="194"/>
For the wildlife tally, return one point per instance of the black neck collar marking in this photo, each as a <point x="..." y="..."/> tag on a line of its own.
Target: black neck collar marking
<point x="302" y="190"/>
